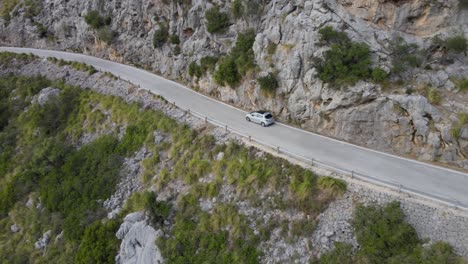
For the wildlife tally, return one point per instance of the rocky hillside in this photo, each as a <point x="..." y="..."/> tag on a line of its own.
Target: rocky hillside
<point x="404" y="90"/>
<point x="113" y="174"/>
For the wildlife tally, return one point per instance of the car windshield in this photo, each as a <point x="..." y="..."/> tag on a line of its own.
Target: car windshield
<point x="268" y="116"/>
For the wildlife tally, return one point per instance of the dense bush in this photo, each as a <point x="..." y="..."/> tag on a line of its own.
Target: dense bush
<point x="329" y="184"/>
<point x="237" y="8"/>
<point x="382" y="232"/>
<point x="99" y="243"/>
<point x="217" y="21"/>
<point x="243" y="52"/>
<point x="238" y="62"/>
<point x="405" y="56"/>
<point x="174" y="39"/>
<point x="208" y="63"/>
<point x="378" y="75"/>
<point x="159" y="211"/>
<point x="106" y="34"/>
<point x="7" y="7"/>
<point x="346" y="62"/>
<point x="160" y="36"/>
<point x="73" y="189"/>
<point x="329" y="36"/>
<point x="227" y="73"/>
<point x="220" y="237"/>
<point x="457" y="44"/>
<point x="385" y="237"/>
<point x="340" y="255"/>
<point x="268" y="83"/>
<point x="54" y="115"/>
<point x="194" y="70"/>
<point x="94" y="19"/>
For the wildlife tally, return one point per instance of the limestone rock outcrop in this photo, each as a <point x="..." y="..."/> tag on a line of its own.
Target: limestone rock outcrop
<point x="363" y="114"/>
<point x="138" y="241"/>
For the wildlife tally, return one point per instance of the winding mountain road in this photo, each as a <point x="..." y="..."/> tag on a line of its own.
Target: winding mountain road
<point x="442" y="184"/>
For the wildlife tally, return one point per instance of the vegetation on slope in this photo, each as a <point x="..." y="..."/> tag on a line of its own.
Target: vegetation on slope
<point x="385" y="237"/>
<point x="40" y="159"/>
<point x="240" y="60"/>
<point x="65" y="178"/>
<point x="346" y="62"/>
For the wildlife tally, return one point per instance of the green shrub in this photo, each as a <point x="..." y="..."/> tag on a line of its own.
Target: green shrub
<point x="342" y="254"/>
<point x="223" y="236"/>
<point x="271" y="48"/>
<point x="99" y="243"/>
<point x="174" y="39"/>
<point x="237" y="8"/>
<point x="177" y="50"/>
<point x="73" y="189"/>
<point x="135" y="136"/>
<point x="433" y="95"/>
<point x="227" y="73"/>
<point x="194" y="70"/>
<point x="463" y="118"/>
<point x="159" y="211"/>
<point x="384" y="237"/>
<point x="345" y="64"/>
<point x="106" y="34"/>
<point x="329" y="36"/>
<point x="336" y="186"/>
<point x="383" y="233"/>
<point x="254" y="8"/>
<point x="405" y="56"/>
<point x="7" y="7"/>
<point x="457" y="44"/>
<point x="94" y="19"/>
<point x="238" y="62"/>
<point x="54" y="115"/>
<point x="243" y="52"/>
<point x="208" y="63"/>
<point x="268" y="83"/>
<point x="461" y="84"/>
<point x="217" y="22"/>
<point x="160" y="36"/>
<point x="379" y="75"/>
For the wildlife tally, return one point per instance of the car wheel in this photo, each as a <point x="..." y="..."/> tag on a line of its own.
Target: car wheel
<point x="263" y="124"/>
<point x="248" y="119"/>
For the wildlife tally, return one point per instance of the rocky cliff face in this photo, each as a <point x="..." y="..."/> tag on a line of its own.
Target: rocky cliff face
<point x="393" y="119"/>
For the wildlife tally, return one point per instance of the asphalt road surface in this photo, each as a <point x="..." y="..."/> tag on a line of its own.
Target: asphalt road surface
<point x="448" y="186"/>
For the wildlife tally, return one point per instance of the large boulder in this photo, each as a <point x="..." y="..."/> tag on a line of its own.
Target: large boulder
<point x="43" y="241"/>
<point x="138" y="241"/>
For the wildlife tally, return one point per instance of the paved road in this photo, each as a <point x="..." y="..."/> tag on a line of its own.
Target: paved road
<point x="439" y="183"/>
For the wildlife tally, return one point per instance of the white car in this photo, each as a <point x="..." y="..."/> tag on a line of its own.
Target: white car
<point x="261" y="117"/>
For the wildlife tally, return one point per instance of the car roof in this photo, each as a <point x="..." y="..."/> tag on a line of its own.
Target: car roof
<point x="261" y="112"/>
